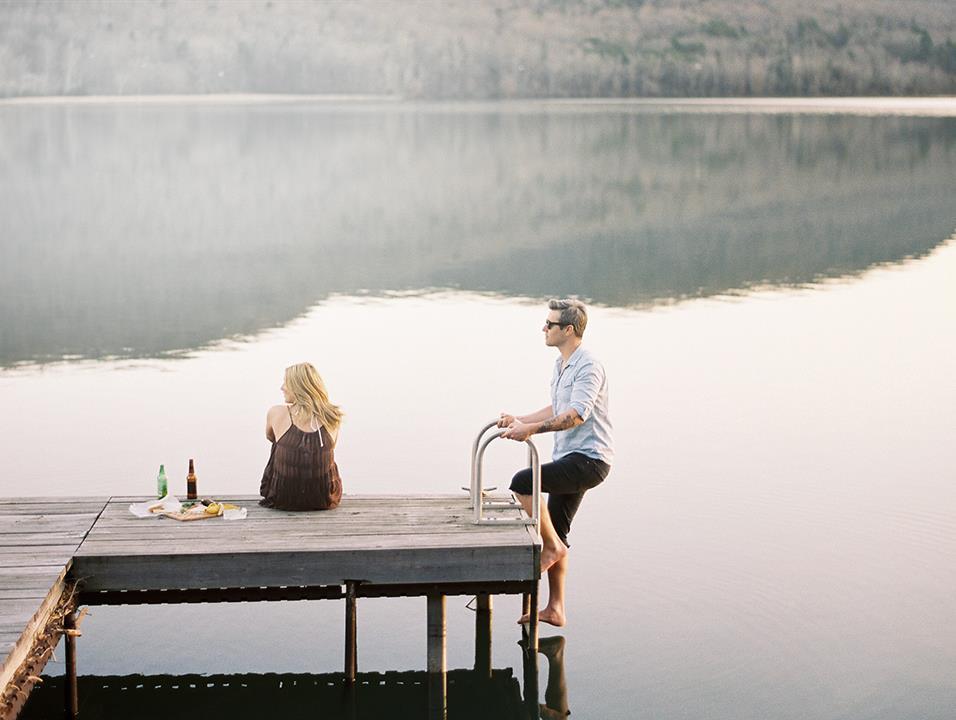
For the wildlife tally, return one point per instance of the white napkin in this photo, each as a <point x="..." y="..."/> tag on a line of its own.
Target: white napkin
<point x="168" y="503"/>
<point x="237" y="514"/>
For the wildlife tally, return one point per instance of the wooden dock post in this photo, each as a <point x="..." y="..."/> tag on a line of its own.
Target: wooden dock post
<point x="437" y="676"/>
<point x="351" y="642"/>
<point x="69" y="637"/>
<point x="483" y="613"/>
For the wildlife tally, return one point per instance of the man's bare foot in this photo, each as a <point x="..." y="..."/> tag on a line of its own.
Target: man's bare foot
<point x="548" y="615"/>
<point x="550" y="554"/>
<point x="552" y="617"/>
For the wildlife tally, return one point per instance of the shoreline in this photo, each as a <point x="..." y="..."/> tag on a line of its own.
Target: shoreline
<point x="918" y="106"/>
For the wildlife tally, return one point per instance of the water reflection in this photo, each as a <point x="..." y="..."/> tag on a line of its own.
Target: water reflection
<point x="478" y="693"/>
<point x="555" y="703"/>
<point x="141" y="231"/>
<point x="556" y="691"/>
<point x="287" y="695"/>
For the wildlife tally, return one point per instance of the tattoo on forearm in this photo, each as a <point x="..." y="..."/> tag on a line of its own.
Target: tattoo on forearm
<point x="564" y="421"/>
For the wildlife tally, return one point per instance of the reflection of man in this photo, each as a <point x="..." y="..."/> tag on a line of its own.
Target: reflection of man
<point x="556" y="691"/>
<point x="578" y="415"/>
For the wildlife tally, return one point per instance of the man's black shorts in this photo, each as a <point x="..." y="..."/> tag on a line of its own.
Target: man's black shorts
<point x="565" y="480"/>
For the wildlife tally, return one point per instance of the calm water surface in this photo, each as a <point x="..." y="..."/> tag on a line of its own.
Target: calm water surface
<point x="773" y="298"/>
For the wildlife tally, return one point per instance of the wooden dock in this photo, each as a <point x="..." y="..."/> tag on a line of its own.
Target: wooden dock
<point x="59" y="553"/>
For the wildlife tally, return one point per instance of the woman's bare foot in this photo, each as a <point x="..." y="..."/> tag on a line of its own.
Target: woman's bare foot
<point x="550" y="554"/>
<point x="548" y="615"/>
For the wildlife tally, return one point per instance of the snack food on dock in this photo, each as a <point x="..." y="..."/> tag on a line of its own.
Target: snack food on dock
<point x="201" y="510"/>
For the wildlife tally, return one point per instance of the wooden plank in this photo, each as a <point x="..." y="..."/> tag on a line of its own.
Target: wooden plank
<point x="36" y="557"/>
<point x="348" y="497"/>
<point x="30" y="582"/>
<point x="17" y="608"/>
<point x="489" y="550"/>
<point x="220" y="525"/>
<point x="363" y="506"/>
<point x="212" y="529"/>
<point x="381" y="512"/>
<point x="67" y="549"/>
<point x="401" y="565"/>
<point x="23" y="579"/>
<point x="169" y="529"/>
<point x="33" y="523"/>
<point x="305" y="541"/>
<point x="368" y="513"/>
<point x="23" y="593"/>
<point x="54" y="500"/>
<point x="31" y="507"/>
<point x="20" y="540"/>
<point x="32" y="625"/>
<point x="28" y="571"/>
<point x="150" y="529"/>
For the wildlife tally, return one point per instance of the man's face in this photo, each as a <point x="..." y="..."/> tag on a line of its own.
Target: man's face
<point x="554" y="334"/>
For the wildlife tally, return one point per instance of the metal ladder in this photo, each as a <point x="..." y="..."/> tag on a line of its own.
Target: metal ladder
<point x="478" y="502"/>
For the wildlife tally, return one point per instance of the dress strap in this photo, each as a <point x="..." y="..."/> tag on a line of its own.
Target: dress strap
<point x="312" y="422"/>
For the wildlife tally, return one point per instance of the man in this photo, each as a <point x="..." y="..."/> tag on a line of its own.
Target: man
<point x="583" y="449"/>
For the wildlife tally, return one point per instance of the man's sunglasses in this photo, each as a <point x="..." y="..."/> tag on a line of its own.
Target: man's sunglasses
<point x="550" y="324"/>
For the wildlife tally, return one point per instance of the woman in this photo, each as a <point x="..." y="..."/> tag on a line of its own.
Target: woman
<point x="302" y="474"/>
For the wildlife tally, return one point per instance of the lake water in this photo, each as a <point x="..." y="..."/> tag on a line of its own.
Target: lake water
<point x="773" y="295"/>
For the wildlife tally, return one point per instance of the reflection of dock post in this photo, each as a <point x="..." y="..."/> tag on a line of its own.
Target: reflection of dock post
<point x="351" y="649"/>
<point x="530" y="605"/>
<point x="437" y="680"/>
<point x="532" y="600"/>
<point x="483" y="635"/>
<point x="69" y="637"/>
<point x="530" y="668"/>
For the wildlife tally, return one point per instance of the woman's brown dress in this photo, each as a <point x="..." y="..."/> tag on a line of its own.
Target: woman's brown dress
<point x="301" y="473"/>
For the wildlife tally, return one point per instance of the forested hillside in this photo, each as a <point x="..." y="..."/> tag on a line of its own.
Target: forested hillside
<point x="479" y="49"/>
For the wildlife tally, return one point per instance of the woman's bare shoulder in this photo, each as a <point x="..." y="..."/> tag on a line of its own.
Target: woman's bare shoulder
<point x="277" y="410"/>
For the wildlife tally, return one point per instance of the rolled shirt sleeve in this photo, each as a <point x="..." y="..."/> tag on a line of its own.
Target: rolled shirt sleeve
<point x="588" y="381"/>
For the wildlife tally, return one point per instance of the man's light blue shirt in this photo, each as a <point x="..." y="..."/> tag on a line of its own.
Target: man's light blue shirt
<point x="581" y="383"/>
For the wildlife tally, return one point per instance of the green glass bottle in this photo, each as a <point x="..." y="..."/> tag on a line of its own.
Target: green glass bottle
<point x="161" y="485"/>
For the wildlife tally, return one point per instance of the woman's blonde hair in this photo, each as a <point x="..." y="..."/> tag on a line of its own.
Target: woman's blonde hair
<point x="308" y="392"/>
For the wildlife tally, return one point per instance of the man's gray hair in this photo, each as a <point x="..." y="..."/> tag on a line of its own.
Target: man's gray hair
<point x="573" y="313"/>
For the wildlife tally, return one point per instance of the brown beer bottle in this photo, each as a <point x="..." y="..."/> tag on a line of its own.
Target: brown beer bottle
<point x="191" y="482"/>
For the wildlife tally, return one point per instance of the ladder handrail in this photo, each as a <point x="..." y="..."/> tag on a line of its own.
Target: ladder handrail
<point x="534" y="462"/>
<point x="474" y="460"/>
